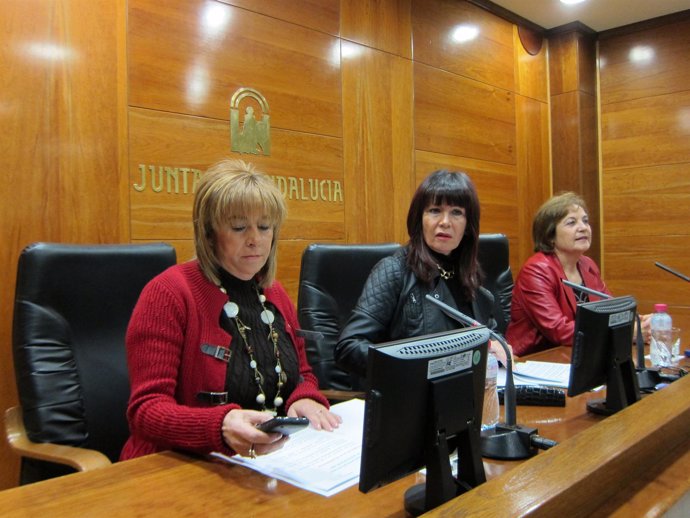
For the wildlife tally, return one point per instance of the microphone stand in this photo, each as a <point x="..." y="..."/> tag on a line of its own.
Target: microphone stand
<point x="507" y="441"/>
<point x="647" y="379"/>
<point x="671" y="270"/>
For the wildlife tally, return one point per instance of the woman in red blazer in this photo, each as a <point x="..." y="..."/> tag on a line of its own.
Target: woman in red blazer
<point x="543" y="309"/>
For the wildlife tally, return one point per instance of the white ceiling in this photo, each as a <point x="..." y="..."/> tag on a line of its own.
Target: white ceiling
<point x="599" y="15"/>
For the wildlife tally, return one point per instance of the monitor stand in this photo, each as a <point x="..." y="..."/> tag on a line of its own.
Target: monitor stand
<point x="621" y="386"/>
<point x="648" y="379"/>
<point x="441" y="485"/>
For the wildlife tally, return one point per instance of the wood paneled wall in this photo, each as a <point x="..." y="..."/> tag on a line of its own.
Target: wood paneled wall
<point x="575" y="150"/>
<point x="62" y="108"/>
<point x="644" y="77"/>
<point x="372" y="95"/>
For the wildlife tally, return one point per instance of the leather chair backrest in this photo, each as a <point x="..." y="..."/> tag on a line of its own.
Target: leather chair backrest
<point x="72" y="308"/>
<point x="332" y="277"/>
<point x="494" y="258"/>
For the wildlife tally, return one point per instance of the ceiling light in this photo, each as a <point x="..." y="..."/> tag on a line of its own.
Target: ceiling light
<point x="572" y="1"/>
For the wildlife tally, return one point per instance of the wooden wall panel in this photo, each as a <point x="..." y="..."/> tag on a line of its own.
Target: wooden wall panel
<point x="571" y="64"/>
<point x="378" y="144"/>
<point x="462" y="117"/>
<point x="533" y="144"/>
<point x="321" y="15"/>
<point x="533" y="172"/>
<point x="650" y="130"/>
<point x="660" y="65"/>
<point x="645" y="142"/>
<point x="61" y="114"/>
<point x="309" y="166"/>
<point x="196" y="72"/>
<point x="574" y="135"/>
<point x="565" y="137"/>
<point x="647" y="200"/>
<point x="531" y="71"/>
<point x="383" y="25"/>
<point x="487" y="58"/>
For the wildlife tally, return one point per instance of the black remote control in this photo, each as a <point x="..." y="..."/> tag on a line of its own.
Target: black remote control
<point x="536" y="395"/>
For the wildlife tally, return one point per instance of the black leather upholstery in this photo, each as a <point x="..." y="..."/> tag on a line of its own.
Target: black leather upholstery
<point x="72" y="307"/>
<point x="331" y="280"/>
<point x="494" y="258"/>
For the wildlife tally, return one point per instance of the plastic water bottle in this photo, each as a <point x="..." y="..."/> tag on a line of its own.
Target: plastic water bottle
<point x="661" y="346"/>
<point x="490" y="412"/>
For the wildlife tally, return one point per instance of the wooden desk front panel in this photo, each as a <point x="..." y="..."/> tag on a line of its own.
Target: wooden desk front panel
<point x="641" y="454"/>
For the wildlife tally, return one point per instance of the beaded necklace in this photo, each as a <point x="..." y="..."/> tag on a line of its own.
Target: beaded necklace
<point x="232" y="310"/>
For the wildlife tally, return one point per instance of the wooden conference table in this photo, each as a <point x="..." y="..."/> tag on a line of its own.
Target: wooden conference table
<point x="635" y="463"/>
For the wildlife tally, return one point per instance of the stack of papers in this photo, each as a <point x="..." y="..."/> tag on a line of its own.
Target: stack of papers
<point x="322" y="462"/>
<point x="537" y="373"/>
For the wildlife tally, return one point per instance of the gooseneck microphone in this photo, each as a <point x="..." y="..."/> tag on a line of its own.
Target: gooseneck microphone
<point x="508" y="441"/>
<point x="646" y="379"/>
<point x="580" y="287"/>
<point x="671" y="270"/>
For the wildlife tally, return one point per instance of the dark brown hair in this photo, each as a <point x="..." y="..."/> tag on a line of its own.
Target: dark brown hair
<point x="451" y="188"/>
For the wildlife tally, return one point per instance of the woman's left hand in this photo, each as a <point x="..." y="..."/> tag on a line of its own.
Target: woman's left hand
<point x="319" y="416"/>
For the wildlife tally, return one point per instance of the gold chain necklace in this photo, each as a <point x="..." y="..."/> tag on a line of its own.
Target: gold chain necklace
<point x="445" y="274"/>
<point x="232" y="310"/>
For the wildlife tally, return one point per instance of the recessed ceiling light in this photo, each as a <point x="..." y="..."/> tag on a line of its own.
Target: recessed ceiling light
<point x="572" y="1"/>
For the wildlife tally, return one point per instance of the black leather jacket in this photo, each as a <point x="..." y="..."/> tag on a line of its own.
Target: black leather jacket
<point x="393" y="306"/>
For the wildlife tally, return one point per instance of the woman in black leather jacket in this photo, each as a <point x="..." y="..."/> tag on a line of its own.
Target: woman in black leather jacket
<point x="440" y="259"/>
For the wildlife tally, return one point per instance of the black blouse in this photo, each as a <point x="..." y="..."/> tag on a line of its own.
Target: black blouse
<point x="240" y="382"/>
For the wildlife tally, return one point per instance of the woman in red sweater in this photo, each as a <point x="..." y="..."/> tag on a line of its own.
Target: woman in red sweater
<point x="212" y="348"/>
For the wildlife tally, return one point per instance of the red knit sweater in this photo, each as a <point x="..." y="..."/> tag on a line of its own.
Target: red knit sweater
<point x="176" y="313"/>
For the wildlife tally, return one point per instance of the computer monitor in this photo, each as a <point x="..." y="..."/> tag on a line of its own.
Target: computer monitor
<point x="602" y="353"/>
<point x="424" y="398"/>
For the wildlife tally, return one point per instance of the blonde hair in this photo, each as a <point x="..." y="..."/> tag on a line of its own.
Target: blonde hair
<point x="230" y="189"/>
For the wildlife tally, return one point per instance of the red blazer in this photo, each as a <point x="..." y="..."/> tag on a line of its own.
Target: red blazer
<point x="542" y="312"/>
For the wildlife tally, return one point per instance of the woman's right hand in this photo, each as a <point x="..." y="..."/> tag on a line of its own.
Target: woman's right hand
<point x="240" y="433"/>
<point x="496" y="348"/>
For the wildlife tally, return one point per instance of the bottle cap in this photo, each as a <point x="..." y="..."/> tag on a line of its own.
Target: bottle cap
<point x="660" y="308"/>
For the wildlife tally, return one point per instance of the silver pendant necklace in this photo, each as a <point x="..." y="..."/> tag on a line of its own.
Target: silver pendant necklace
<point x="232" y="310"/>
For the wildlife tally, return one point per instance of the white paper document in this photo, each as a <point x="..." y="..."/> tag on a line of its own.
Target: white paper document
<point x="537" y="373"/>
<point x="318" y="461"/>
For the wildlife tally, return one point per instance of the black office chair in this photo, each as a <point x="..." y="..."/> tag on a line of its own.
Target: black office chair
<point x="72" y="308"/>
<point x="494" y="258"/>
<point x="332" y="277"/>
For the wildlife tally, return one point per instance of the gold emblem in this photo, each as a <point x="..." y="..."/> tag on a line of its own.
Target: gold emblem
<point x="252" y="135"/>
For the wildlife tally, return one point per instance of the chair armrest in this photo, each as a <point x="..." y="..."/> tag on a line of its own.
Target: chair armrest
<point x="341" y="395"/>
<point x="81" y="459"/>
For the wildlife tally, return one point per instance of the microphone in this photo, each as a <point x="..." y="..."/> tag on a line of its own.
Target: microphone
<point x="508" y="440"/>
<point x="674" y="272"/>
<point x="646" y="379"/>
<point x="580" y="287"/>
